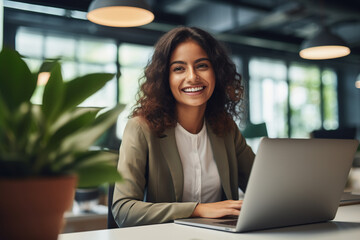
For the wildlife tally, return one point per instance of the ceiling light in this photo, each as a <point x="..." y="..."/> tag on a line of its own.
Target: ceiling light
<point x="357" y="84"/>
<point x="324" y="45"/>
<point x="120" y="13"/>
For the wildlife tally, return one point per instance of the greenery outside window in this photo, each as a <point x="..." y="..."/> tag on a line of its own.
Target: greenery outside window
<point x="305" y="115"/>
<point x="330" y="103"/>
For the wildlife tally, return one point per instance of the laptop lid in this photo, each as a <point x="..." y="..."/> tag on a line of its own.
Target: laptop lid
<point x="292" y="182"/>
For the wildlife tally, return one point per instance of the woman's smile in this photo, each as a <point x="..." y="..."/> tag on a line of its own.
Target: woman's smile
<point x="191" y="75"/>
<point x="193" y="90"/>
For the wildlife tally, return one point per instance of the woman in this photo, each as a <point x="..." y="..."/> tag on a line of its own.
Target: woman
<point x="182" y="154"/>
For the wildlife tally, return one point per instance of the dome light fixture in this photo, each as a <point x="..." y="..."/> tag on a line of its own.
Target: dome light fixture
<point x="324" y="45"/>
<point x="120" y="13"/>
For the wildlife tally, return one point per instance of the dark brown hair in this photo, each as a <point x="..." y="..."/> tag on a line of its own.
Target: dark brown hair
<point x="156" y="103"/>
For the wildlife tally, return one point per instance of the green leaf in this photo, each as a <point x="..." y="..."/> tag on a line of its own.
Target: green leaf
<point x="23" y="125"/>
<point x="95" y="175"/>
<point x="73" y="125"/>
<point x="88" y="158"/>
<point x="79" y="89"/>
<point x="4" y="115"/>
<point x="17" y="83"/>
<point x="82" y="140"/>
<point x="53" y="93"/>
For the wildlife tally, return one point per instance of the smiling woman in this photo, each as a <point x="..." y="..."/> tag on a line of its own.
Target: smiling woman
<point x="192" y="82"/>
<point x="182" y="154"/>
<point x="157" y="102"/>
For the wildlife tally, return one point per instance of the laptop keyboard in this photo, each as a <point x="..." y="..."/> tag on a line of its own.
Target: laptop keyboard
<point x="228" y="222"/>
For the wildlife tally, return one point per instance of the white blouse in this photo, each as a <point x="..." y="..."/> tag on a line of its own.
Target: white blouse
<point x="201" y="176"/>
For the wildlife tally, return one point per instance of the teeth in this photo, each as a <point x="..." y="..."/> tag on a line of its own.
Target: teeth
<point x="193" y="89"/>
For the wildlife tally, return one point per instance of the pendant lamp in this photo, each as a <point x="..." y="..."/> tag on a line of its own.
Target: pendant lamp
<point x="120" y="13"/>
<point x="324" y="45"/>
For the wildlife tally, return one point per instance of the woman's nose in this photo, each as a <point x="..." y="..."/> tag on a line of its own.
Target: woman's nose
<point x="192" y="76"/>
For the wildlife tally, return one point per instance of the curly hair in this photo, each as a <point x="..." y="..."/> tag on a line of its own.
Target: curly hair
<point x="156" y="103"/>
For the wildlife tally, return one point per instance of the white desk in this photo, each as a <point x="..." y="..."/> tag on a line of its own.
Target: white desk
<point x="345" y="226"/>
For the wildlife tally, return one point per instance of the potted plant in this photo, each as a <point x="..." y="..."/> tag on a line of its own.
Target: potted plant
<point x="44" y="149"/>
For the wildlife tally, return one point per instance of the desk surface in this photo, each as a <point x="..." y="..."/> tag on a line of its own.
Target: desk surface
<point x="346" y="225"/>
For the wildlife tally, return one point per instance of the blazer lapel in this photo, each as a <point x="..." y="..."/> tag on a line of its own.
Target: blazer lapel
<point x="220" y="156"/>
<point x="171" y="154"/>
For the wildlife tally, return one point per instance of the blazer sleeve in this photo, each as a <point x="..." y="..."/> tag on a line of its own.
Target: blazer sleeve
<point x="128" y="206"/>
<point x="245" y="157"/>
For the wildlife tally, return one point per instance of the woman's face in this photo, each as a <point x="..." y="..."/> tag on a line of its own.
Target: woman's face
<point x="191" y="75"/>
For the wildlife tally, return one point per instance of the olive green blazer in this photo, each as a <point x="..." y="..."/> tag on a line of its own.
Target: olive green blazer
<point x="152" y="189"/>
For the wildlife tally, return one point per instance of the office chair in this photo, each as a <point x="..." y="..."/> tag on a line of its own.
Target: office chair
<point x="255" y="130"/>
<point x="340" y="133"/>
<point x="110" y="218"/>
<point x="253" y="133"/>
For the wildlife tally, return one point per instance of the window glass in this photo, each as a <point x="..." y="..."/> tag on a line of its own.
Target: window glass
<point x="330" y="103"/>
<point x="86" y="68"/>
<point x="134" y="55"/>
<point x="29" y="44"/>
<point x="59" y="47"/>
<point x="268" y="95"/>
<point x="133" y="59"/>
<point x="79" y="56"/>
<point x="238" y="63"/>
<point x="129" y="84"/>
<point x="69" y="70"/>
<point x="305" y="100"/>
<point x="97" y="51"/>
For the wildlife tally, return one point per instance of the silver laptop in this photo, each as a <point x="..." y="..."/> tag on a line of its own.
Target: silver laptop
<point x="292" y="182"/>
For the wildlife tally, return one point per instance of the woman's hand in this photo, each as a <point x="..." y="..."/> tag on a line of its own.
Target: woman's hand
<point x="218" y="209"/>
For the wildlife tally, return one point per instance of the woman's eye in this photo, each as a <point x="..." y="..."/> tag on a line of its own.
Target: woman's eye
<point x="202" y="66"/>
<point x="177" y="69"/>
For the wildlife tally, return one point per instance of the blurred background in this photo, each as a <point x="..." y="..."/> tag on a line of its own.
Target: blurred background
<point x="292" y="96"/>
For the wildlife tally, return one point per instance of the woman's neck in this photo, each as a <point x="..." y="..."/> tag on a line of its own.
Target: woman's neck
<point x="191" y="118"/>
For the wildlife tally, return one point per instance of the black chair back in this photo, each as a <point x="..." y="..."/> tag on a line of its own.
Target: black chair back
<point x="340" y="133"/>
<point x="110" y="218"/>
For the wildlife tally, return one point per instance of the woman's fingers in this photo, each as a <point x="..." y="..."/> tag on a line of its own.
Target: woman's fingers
<point x="218" y="209"/>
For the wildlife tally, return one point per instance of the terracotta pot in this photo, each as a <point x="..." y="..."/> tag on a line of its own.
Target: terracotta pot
<point x="34" y="208"/>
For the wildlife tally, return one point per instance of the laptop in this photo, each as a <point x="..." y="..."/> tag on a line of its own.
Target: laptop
<point x="292" y="182"/>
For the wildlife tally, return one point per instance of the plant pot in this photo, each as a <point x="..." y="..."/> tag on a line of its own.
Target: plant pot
<point x="33" y="208"/>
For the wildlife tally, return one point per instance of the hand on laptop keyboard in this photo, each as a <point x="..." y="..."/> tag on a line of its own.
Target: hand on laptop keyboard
<point x="218" y="209"/>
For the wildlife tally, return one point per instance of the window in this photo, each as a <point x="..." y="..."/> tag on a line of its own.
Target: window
<point x="305" y="99"/>
<point x="81" y="55"/>
<point x="268" y="95"/>
<point x="78" y="56"/>
<point x="292" y="101"/>
<point x="133" y="59"/>
<point x="330" y="103"/>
